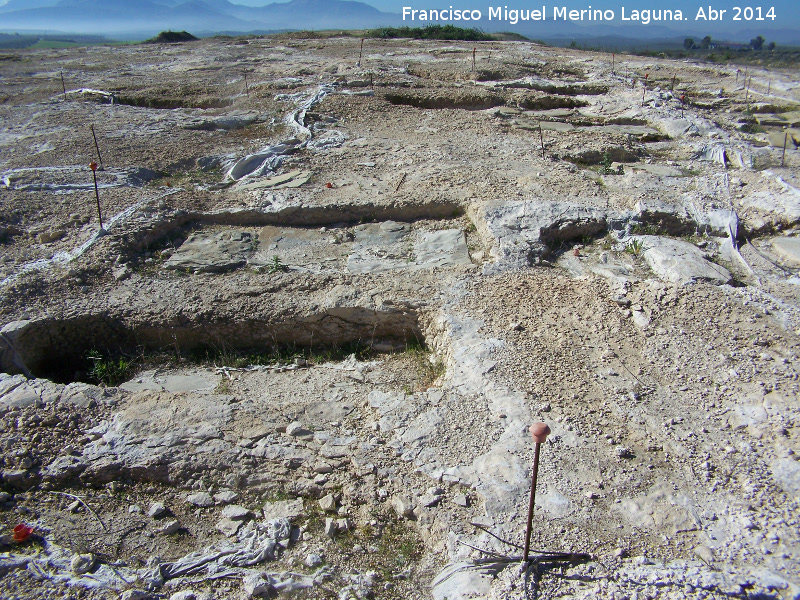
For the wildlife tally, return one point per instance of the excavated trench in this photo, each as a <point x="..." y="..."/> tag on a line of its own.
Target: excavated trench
<point x="550" y="102"/>
<point x="470" y="102"/>
<point x="57" y="349"/>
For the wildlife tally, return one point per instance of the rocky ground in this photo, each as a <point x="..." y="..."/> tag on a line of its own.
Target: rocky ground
<point x="326" y="303"/>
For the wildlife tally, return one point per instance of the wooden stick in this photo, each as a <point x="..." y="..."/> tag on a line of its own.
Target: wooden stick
<point x="474" y="50"/>
<point x="89" y="508"/>
<point x="63" y="86"/>
<point x="672" y="88"/>
<point x="361" y="52"/>
<point x="402" y="179"/>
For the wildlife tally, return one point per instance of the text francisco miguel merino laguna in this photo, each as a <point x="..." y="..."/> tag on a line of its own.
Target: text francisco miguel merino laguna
<point x="563" y="13"/>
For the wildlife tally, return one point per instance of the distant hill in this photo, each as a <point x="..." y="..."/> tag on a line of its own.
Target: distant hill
<point x="172" y="37"/>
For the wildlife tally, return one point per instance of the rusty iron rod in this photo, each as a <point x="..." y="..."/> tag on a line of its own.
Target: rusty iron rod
<point x="785" y="139"/>
<point x="93" y="167"/>
<point x="97" y="147"/>
<point x="541" y="137"/>
<point x="539" y="432"/>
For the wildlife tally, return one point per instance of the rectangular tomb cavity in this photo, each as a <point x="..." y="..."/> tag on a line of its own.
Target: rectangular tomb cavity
<point x="392" y="246"/>
<point x="365" y="248"/>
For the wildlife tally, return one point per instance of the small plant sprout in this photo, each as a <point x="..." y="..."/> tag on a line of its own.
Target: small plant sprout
<point x="276" y="266"/>
<point x="634" y="247"/>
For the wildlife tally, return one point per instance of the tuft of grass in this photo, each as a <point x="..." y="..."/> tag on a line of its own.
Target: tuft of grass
<point x="634" y="247"/>
<point x="428" y="366"/>
<point x="109" y="371"/>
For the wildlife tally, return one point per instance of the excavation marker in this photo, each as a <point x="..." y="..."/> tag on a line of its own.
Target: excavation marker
<point x="737" y="75"/>
<point x="672" y="87"/>
<point x="474" y="50"/>
<point x="63" y="86"/>
<point x="612" y="64"/>
<point x="361" y="52"/>
<point x="100" y="158"/>
<point x="93" y="167"/>
<point x="644" y="84"/>
<point x="541" y="137"/>
<point x="769" y="87"/>
<point x="785" y="139"/>
<point x="539" y="432"/>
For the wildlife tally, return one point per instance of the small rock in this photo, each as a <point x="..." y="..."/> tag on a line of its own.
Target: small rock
<point x="294" y="429"/>
<point x="343" y="525"/>
<point x="330" y="527"/>
<point x="157" y="510"/>
<point x="170" y="527"/>
<point x="284" y="509"/>
<point x="5" y="496"/>
<point x="255" y="585"/>
<point x="225" y="497"/>
<point x="201" y="499"/>
<point x="184" y="595"/>
<point x="328" y="503"/>
<point x="623" y="452"/>
<point x="75" y="506"/>
<point x="135" y="595"/>
<point x="134" y="509"/>
<point x="313" y="560"/>
<point x="236" y="513"/>
<point x="121" y="273"/>
<point x="591" y="495"/>
<point x="705" y="553"/>
<point x="228" y="527"/>
<point x="81" y="563"/>
<point x="461" y="500"/>
<point x="428" y="500"/>
<point x="403" y="506"/>
<point x="51" y="236"/>
<point x="620" y="553"/>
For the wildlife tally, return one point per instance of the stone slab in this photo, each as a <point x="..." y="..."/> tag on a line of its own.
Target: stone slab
<point x="680" y="262"/>
<point x="212" y="252"/>
<point x="788" y="248"/>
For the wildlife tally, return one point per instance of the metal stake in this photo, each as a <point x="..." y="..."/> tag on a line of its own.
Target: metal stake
<point x="539" y="432"/>
<point x="474" y="50"/>
<point x="785" y="139"/>
<point x="100" y="158"/>
<point x="93" y="167"/>
<point x="541" y="137"/>
<point x="361" y="52"/>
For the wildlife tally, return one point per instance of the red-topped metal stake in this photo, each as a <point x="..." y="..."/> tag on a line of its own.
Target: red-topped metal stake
<point x="539" y="432"/>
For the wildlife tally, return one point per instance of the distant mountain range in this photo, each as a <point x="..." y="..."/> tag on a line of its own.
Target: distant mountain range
<point x="126" y="19"/>
<point x="147" y="17"/>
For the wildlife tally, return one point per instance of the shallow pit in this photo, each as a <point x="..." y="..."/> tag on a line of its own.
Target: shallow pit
<point x="469" y="102"/>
